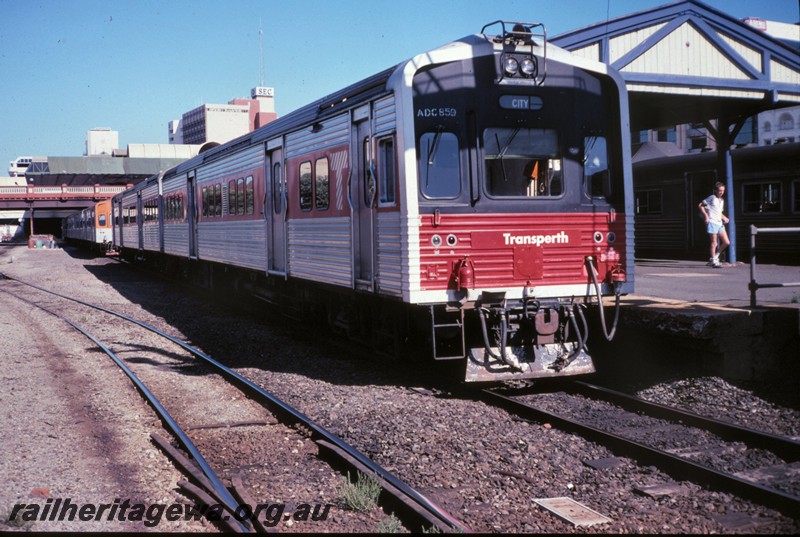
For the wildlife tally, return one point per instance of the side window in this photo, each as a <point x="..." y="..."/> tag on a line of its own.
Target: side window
<point x="231" y="197"/>
<point x="439" y="170"/>
<point x="322" y="197"/>
<point x="596" y="176"/>
<point x="306" y="186"/>
<point x="218" y="199"/>
<point x="647" y="202"/>
<point x="205" y="201"/>
<point x="762" y="198"/>
<point x="387" y="179"/>
<point x="240" y="196"/>
<point x="369" y="174"/>
<point x="249" y="197"/>
<point x="277" y="189"/>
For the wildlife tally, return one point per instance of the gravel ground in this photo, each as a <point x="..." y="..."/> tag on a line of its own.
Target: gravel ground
<point x="476" y="461"/>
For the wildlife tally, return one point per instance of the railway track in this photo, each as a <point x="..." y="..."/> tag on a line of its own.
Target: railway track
<point x="759" y="467"/>
<point x="414" y="510"/>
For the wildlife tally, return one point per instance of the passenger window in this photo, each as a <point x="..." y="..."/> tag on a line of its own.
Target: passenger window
<point x="647" y="202"/>
<point x="386" y="172"/>
<point x="439" y="170"/>
<point x="762" y="198"/>
<point x="240" y="196"/>
<point x="322" y="194"/>
<point x="522" y="162"/>
<point x="218" y="200"/>
<point x="306" y="187"/>
<point x="231" y="197"/>
<point x="369" y="175"/>
<point x="277" y="189"/>
<point x="205" y="201"/>
<point x="596" y="175"/>
<point x="249" y="198"/>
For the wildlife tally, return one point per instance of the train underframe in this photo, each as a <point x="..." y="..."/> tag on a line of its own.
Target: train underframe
<point x="495" y="339"/>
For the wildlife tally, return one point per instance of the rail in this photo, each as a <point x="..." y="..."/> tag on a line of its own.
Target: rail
<point x="754" y="285"/>
<point x="31" y="192"/>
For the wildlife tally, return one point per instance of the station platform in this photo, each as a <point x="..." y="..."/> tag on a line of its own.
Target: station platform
<point x="690" y="319"/>
<point x="726" y="286"/>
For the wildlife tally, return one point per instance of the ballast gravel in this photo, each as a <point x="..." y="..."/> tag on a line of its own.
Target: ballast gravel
<point x="486" y="467"/>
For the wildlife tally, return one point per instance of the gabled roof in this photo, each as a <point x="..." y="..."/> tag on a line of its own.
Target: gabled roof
<point x="686" y="62"/>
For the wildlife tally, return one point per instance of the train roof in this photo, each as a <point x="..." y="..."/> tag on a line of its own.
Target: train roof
<point x="333" y="103"/>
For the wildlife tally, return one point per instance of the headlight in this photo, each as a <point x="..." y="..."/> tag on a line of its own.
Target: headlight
<point x="528" y="67"/>
<point x="510" y="66"/>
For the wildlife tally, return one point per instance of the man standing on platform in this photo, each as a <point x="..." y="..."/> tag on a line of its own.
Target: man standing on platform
<point x="711" y="209"/>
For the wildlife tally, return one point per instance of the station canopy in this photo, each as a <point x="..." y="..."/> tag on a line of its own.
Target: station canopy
<point x="687" y="62"/>
<point x="106" y="170"/>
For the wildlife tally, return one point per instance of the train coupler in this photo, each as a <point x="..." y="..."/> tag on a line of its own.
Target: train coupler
<point x="529" y="340"/>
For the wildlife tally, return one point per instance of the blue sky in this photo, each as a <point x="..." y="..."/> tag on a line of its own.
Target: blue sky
<point x="134" y="65"/>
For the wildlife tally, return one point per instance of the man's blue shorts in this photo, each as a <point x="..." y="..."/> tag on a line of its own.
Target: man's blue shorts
<point x="713" y="229"/>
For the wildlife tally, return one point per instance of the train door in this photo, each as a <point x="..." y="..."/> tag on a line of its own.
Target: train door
<point x="191" y="214"/>
<point x="276" y="212"/>
<point x="699" y="185"/>
<point x="139" y="220"/>
<point x="117" y="224"/>
<point x="362" y="200"/>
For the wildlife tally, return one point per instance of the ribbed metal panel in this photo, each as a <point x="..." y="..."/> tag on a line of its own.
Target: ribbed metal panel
<point x="130" y="236"/>
<point x="320" y="249"/>
<point x="239" y="243"/>
<point x="150" y="236"/>
<point x="150" y="191"/>
<point x="385" y="117"/>
<point x="176" y="239"/>
<point x="390" y="254"/>
<point x="335" y="131"/>
<point x="249" y="158"/>
<point x="175" y="184"/>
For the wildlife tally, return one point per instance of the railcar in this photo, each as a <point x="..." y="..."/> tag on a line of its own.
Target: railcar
<point x="766" y="193"/>
<point x="468" y="203"/>
<point x="90" y="226"/>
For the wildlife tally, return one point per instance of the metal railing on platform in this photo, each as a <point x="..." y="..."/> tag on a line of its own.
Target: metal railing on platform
<point x="30" y="192"/>
<point x="755" y="286"/>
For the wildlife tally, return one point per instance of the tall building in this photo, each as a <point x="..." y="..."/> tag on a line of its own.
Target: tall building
<point x="783" y="125"/>
<point x="101" y="141"/>
<point x="215" y="123"/>
<point x="780" y="126"/>
<point x="223" y="122"/>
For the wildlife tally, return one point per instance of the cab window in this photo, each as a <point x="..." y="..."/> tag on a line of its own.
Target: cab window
<point x="522" y="162"/>
<point x="439" y="169"/>
<point x="596" y="176"/>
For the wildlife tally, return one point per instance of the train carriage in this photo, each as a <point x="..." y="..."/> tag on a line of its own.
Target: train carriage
<point x="91" y="225"/>
<point x="174" y="217"/>
<point x="148" y="214"/>
<point x="766" y="194"/>
<point x="468" y="202"/>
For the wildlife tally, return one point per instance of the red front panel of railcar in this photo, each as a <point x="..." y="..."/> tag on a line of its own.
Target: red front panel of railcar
<point x="514" y="250"/>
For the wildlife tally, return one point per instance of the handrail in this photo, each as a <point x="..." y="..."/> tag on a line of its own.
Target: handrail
<point x="755" y="286"/>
